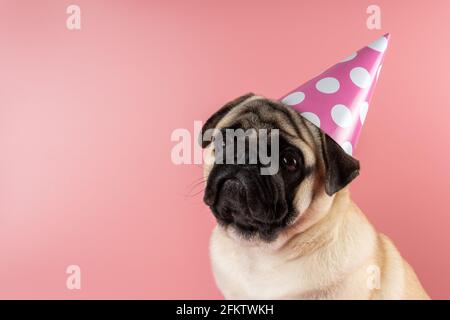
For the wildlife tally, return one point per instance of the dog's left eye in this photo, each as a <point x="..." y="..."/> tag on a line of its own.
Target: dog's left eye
<point x="289" y="161"/>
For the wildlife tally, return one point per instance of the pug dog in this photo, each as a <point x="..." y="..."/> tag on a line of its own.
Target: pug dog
<point x="295" y="234"/>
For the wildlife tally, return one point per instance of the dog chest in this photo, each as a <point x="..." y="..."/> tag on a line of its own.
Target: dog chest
<point x="242" y="274"/>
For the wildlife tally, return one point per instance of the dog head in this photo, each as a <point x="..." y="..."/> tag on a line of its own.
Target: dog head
<point x="307" y="162"/>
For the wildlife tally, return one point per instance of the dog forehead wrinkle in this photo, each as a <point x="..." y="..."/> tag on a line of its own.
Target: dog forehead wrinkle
<point x="262" y="111"/>
<point x="249" y="119"/>
<point x="288" y="113"/>
<point x="264" y="107"/>
<point x="233" y="114"/>
<point x="268" y="125"/>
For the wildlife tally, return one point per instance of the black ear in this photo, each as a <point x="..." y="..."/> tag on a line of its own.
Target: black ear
<point x="340" y="167"/>
<point x="212" y="122"/>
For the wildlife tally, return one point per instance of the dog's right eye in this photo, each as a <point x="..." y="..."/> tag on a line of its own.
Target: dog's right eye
<point x="289" y="161"/>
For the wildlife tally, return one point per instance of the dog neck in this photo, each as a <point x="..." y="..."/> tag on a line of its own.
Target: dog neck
<point x="317" y="226"/>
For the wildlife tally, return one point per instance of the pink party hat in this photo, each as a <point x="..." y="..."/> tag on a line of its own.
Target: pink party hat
<point x="338" y="99"/>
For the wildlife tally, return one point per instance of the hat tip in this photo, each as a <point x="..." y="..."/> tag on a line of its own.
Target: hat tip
<point x="387" y="36"/>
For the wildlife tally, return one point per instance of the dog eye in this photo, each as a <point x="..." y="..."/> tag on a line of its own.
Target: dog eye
<point x="289" y="161"/>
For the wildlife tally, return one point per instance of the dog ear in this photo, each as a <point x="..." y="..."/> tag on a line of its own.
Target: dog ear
<point x="341" y="168"/>
<point x="212" y="122"/>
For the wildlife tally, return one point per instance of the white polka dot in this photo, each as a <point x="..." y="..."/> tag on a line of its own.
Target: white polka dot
<point x="363" y="108"/>
<point x="379" y="45"/>
<point x="328" y="85"/>
<point x="360" y="77"/>
<point x="350" y="57"/>
<point x="312" y="117"/>
<point x="341" y="115"/>
<point x="348" y="148"/>
<point x="294" y="98"/>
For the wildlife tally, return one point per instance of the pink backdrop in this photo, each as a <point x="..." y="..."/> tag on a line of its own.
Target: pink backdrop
<point x="86" y="116"/>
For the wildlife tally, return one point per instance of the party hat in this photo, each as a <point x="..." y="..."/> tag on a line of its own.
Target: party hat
<point x="337" y="100"/>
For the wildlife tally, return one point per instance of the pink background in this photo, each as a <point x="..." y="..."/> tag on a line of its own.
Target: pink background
<point x="86" y="117"/>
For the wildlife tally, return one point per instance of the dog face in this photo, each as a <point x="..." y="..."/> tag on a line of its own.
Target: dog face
<point x="262" y="205"/>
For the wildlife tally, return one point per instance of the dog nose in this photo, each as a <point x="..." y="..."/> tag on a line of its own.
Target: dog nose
<point x="231" y="189"/>
<point x="232" y="198"/>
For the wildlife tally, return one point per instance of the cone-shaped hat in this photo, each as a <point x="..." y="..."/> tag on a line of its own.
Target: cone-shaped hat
<point x="338" y="99"/>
